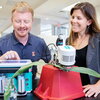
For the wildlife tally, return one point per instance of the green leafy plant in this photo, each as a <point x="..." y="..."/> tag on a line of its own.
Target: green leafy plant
<point x="41" y="63"/>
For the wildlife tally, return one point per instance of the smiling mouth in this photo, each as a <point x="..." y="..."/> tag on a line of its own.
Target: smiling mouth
<point x="22" y="29"/>
<point x="74" y="26"/>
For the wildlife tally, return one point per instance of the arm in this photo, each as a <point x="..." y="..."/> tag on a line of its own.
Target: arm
<point x="93" y="62"/>
<point x="46" y="55"/>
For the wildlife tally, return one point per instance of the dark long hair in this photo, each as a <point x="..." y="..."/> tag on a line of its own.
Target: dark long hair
<point x="89" y="12"/>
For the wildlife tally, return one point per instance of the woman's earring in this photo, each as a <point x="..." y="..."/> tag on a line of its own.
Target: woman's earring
<point x="87" y="29"/>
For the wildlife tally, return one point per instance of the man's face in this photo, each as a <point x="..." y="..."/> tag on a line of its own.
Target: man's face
<point x="22" y="23"/>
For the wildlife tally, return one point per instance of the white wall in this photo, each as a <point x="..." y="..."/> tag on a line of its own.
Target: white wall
<point x="98" y="14"/>
<point x="49" y="38"/>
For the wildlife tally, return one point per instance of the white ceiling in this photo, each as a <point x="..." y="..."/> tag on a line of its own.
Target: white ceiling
<point x="50" y="10"/>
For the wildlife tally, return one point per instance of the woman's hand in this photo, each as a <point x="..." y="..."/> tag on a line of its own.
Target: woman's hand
<point x="10" y="55"/>
<point x="92" y="90"/>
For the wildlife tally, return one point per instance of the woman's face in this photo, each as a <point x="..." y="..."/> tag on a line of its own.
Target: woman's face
<point x="79" y="22"/>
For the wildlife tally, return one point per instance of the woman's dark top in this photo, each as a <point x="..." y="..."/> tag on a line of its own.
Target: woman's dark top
<point x="81" y="62"/>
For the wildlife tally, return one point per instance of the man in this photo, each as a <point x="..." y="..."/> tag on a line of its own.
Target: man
<point x="21" y="44"/>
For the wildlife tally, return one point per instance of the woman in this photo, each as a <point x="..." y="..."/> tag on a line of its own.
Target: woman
<point x="85" y="37"/>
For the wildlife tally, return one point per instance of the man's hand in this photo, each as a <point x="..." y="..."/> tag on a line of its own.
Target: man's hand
<point x="10" y="55"/>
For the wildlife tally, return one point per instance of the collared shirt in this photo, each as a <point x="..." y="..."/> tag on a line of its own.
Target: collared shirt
<point x="35" y="48"/>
